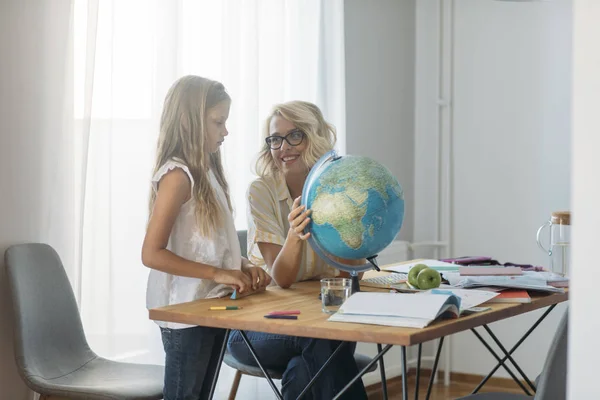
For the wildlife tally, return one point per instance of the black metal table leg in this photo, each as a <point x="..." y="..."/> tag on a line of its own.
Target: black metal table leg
<point x="213" y="386"/>
<point x="434" y="370"/>
<point x="507" y="354"/>
<point x="514" y="348"/>
<point x="363" y="371"/>
<point x="382" y="374"/>
<point x="493" y="353"/>
<point x="404" y="373"/>
<point x="319" y="372"/>
<point x="264" y="371"/>
<point x="418" y="371"/>
<point x="314" y="378"/>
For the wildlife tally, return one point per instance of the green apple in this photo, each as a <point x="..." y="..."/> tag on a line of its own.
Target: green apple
<point x="428" y="278"/>
<point x="414" y="272"/>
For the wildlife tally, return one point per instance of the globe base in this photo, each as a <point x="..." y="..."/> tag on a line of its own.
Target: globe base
<point x="354" y="275"/>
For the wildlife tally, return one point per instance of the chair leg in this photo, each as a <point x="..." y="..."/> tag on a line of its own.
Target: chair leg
<point x="235" y="385"/>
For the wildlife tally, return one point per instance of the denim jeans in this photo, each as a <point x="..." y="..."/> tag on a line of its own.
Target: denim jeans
<point x="192" y="356"/>
<point x="301" y="358"/>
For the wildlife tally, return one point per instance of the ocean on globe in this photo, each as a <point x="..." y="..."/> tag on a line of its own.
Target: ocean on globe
<point x="357" y="207"/>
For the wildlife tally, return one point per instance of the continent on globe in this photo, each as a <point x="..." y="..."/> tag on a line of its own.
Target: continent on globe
<point x="344" y="214"/>
<point x="357" y="207"/>
<point x="343" y="194"/>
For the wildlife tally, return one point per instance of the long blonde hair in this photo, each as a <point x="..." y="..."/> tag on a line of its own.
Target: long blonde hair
<point x="320" y="134"/>
<point x="183" y="132"/>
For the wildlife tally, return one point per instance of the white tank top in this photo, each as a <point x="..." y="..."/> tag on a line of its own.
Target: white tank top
<point x="221" y="250"/>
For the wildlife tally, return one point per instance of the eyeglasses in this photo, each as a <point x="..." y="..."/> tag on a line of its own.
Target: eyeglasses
<point x="294" y="138"/>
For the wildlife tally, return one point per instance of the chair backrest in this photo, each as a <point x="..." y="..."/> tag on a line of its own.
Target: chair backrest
<point x="243" y="237"/>
<point x="49" y="337"/>
<point x="553" y="381"/>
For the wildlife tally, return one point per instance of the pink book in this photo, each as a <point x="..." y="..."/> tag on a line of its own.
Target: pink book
<point x="489" y="271"/>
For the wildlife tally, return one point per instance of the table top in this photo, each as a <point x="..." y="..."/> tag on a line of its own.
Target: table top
<point x="312" y="322"/>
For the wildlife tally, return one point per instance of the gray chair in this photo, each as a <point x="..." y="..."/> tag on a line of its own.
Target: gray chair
<point x="51" y="351"/>
<point x="553" y="379"/>
<point x="251" y="370"/>
<point x="243" y="238"/>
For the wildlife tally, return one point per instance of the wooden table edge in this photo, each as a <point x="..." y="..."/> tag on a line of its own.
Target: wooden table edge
<point x="391" y="335"/>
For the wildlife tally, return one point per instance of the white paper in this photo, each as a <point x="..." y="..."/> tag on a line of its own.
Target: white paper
<point x="526" y="282"/>
<point x="547" y="275"/>
<point x="468" y="297"/>
<point x="404" y="268"/>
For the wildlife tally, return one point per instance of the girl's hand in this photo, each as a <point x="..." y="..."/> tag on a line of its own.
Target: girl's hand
<point x="299" y="218"/>
<point x="234" y="278"/>
<point x="259" y="278"/>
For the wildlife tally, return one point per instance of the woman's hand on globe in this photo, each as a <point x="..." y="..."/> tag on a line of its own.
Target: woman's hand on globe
<point x="299" y="218"/>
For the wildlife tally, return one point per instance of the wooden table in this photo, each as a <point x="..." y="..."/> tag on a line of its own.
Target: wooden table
<point x="312" y="322"/>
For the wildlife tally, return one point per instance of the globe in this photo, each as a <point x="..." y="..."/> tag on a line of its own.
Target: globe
<point x="357" y="209"/>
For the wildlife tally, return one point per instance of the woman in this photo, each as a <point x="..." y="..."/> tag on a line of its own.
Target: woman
<point x="296" y="136"/>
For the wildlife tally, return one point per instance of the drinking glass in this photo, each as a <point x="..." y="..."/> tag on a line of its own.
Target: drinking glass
<point x="334" y="292"/>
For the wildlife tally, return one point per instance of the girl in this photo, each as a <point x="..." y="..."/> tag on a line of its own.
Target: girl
<point x="191" y="244"/>
<point x="296" y="136"/>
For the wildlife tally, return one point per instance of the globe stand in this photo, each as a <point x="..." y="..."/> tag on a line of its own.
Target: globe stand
<point x="373" y="261"/>
<point x="354" y="275"/>
<point x="355" y="285"/>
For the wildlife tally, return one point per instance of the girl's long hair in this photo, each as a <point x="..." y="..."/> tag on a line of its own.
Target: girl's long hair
<point x="183" y="132"/>
<point x="320" y="134"/>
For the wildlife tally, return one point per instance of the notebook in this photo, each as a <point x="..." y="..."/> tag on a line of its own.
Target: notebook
<point x="511" y="296"/>
<point x="397" y="309"/>
<point x="384" y="280"/>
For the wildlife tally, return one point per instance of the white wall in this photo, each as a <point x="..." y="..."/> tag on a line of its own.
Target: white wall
<point x="510" y="139"/>
<point x="19" y="194"/>
<point x="380" y="77"/>
<point x="32" y="45"/>
<point x="583" y="318"/>
<point x="426" y="124"/>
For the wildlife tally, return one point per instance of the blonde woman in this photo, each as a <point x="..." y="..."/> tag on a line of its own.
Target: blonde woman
<point x="191" y="244"/>
<point x="296" y="136"/>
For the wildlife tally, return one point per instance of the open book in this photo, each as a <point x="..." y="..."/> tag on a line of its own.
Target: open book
<point x="397" y="309"/>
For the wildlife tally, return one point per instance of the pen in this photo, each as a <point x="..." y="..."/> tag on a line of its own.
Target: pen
<point x="225" y="308"/>
<point x="281" y="316"/>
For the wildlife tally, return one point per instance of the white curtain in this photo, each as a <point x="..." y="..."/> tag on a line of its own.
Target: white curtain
<point x="126" y="55"/>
